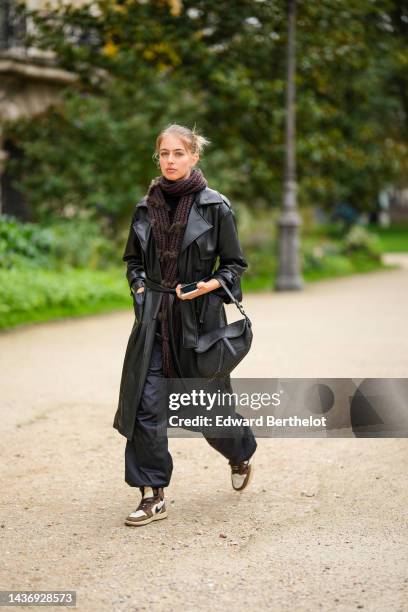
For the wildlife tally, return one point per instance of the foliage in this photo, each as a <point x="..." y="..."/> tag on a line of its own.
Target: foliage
<point x="393" y="239"/>
<point x="38" y="281"/>
<point x="77" y="243"/>
<point x="48" y="294"/>
<point x="144" y="64"/>
<point x="325" y="251"/>
<point x="357" y="250"/>
<point x="360" y="240"/>
<point x="81" y="244"/>
<point x="23" y="243"/>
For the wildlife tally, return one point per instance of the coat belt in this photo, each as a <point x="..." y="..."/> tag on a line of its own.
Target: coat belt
<point x="157" y="286"/>
<point x="189" y="324"/>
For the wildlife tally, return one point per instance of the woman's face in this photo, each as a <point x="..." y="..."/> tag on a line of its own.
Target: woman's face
<point x="176" y="161"/>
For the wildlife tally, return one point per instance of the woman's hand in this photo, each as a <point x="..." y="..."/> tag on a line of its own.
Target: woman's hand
<point x="202" y="288"/>
<point x="138" y="301"/>
<point x="138" y="290"/>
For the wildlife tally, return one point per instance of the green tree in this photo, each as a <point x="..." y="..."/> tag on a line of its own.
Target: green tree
<point x="144" y="64"/>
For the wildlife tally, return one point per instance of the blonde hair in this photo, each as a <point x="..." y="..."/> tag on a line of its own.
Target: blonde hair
<point x="193" y="141"/>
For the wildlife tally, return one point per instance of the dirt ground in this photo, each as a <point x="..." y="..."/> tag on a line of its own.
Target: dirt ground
<point x="323" y="526"/>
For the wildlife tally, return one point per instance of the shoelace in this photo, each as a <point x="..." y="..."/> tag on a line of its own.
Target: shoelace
<point x="147" y="501"/>
<point x="240" y="467"/>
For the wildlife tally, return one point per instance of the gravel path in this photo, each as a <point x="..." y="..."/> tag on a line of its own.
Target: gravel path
<point x="322" y="527"/>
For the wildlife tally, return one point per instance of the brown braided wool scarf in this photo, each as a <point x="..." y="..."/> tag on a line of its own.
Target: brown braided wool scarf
<point x="168" y="238"/>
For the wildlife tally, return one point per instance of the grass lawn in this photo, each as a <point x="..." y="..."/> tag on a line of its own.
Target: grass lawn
<point x="35" y="295"/>
<point x="335" y="268"/>
<point x="28" y="296"/>
<point x="393" y="239"/>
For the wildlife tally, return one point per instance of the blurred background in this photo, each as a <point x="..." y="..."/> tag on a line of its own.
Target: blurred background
<point x="85" y="87"/>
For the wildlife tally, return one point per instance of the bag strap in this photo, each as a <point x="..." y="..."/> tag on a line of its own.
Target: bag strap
<point x="237" y="304"/>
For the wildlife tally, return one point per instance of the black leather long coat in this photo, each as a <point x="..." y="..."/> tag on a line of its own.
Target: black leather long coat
<point x="210" y="238"/>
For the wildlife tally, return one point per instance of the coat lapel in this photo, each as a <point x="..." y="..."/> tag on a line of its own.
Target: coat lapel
<point x="196" y="225"/>
<point x="142" y="226"/>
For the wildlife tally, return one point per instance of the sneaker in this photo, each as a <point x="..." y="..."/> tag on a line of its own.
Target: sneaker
<point x="241" y="474"/>
<point x="151" y="507"/>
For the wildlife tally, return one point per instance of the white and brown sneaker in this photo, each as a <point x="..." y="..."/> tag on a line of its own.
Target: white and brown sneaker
<point x="151" y="507"/>
<point x="241" y="474"/>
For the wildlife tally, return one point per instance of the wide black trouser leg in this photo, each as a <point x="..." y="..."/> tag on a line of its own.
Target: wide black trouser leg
<point x="147" y="459"/>
<point x="238" y="442"/>
<point x="239" y="446"/>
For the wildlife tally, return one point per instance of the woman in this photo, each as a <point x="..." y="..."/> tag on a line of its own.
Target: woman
<point x="177" y="231"/>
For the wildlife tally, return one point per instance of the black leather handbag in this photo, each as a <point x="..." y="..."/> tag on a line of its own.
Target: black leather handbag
<point x="219" y="351"/>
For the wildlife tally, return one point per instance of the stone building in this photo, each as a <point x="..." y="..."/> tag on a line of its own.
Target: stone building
<point x="29" y="82"/>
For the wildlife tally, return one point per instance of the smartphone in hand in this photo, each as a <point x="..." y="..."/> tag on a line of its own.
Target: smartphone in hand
<point x="188" y="288"/>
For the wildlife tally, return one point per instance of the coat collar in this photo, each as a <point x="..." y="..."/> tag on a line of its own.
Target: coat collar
<point x="196" y="223"/>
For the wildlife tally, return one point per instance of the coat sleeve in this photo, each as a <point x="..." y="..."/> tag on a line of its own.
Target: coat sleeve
<point x="133" y="258"/>
<point x="231" y="259"/>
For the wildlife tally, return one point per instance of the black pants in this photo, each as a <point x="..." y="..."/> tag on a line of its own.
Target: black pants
<point x="147" y="458"/>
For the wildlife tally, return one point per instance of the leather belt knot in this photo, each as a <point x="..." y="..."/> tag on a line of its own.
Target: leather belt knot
<point x="158" y="287"/>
